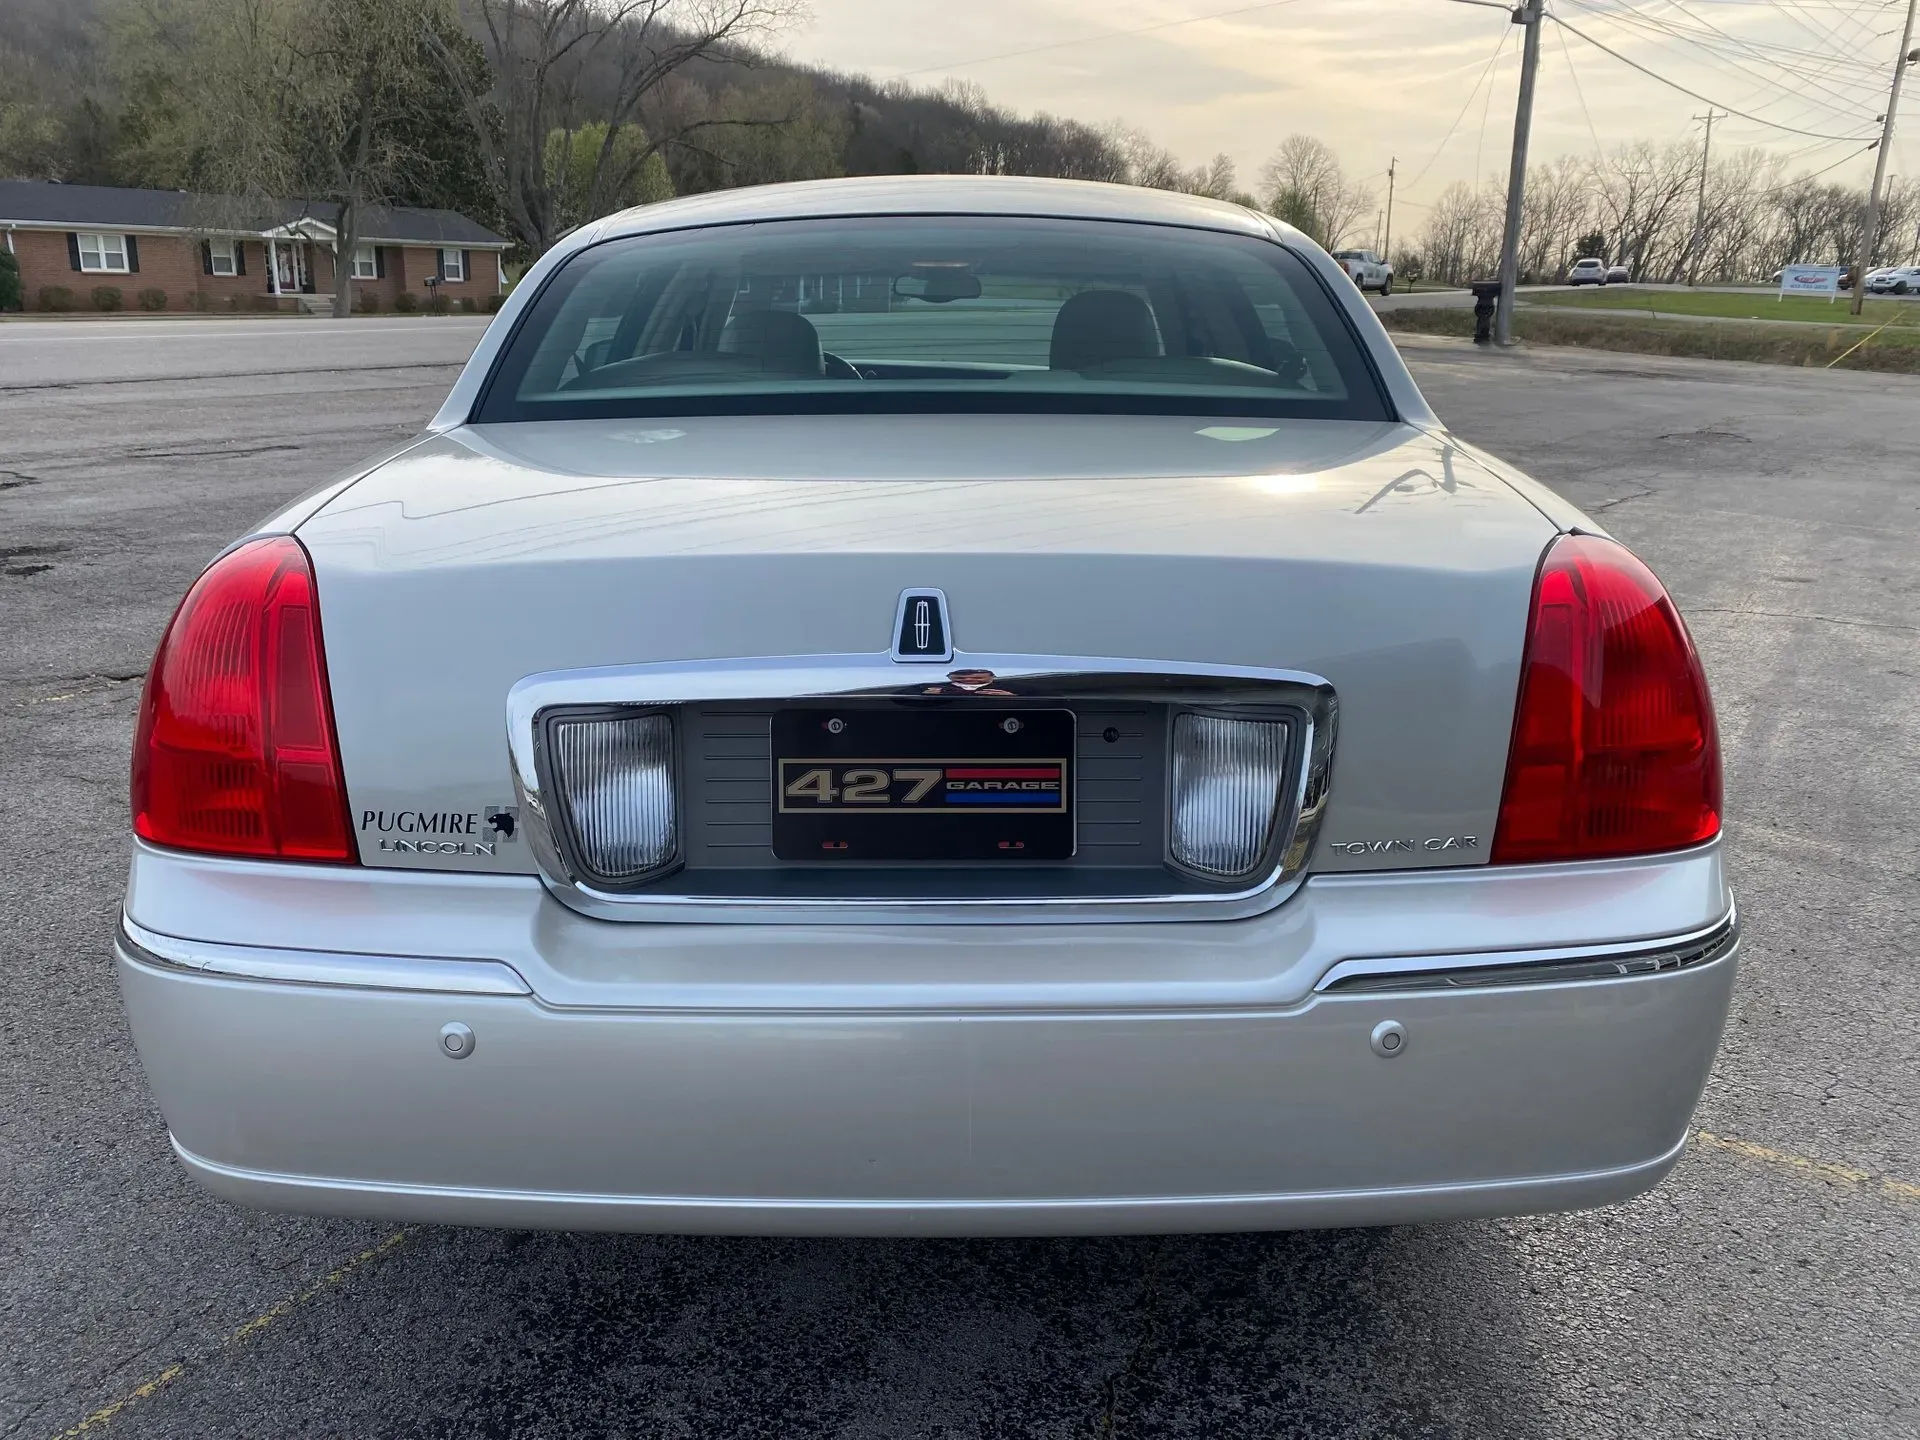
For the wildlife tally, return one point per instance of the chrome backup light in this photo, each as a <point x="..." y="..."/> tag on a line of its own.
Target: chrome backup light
<point x="1226" y="797"/>
<point x="616" y="777"/>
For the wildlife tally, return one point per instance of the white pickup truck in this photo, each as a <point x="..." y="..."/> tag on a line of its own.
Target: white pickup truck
<point x="1368" y="270"/>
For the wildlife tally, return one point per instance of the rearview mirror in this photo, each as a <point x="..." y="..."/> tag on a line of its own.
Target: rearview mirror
<point x="938" y="283"/>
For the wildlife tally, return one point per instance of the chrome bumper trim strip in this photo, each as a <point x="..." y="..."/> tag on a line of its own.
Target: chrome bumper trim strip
<point x="1533" y="967"/>
<point x="321" y="967"/>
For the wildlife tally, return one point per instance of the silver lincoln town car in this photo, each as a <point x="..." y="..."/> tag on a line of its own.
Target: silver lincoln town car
<point x="938" y="705"/>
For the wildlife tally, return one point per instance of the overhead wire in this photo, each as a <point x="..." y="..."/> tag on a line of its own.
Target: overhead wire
<point x="1573" y="74"/>
<point x="1486" y="70"/>
<point x="1486" y="110"/>
<point x="1856" y="106"/>
<point x="1824" y="57"/>
<point x="1816" y="174"/>
<point x="1686" y="90"/>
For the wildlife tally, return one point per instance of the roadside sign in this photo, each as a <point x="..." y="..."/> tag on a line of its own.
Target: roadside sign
<point x="1811" y="280"/>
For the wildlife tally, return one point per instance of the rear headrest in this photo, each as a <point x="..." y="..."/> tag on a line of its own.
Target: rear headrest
<point x="783" y="342"/>
<point x="1096" y="326"/>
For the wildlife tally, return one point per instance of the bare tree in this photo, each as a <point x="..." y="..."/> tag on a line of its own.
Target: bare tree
<point x="560" y="64"/>
<point x="1735" y="215"/>
<point x="1142" y="161"/>
<point x="358" y="116"/>
<point x="1559" y="201"/>
<point x="1461" y="238"/>
<point x="1643" y="194"/>
<point x="1304" y="184"/>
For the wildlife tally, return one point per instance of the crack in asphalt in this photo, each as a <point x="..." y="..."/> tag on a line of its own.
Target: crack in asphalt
<point x="1147" y="1310"/>
<point x="217" y="451"/>
<point x="1604" y="505"/>
<point x="1796" y="615"/>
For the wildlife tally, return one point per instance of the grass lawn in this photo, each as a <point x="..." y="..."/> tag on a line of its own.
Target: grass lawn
<point x="1754" y="305"/>
<point x="1896" y="349"/>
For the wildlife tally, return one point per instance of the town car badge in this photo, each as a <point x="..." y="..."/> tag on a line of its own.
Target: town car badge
<point x="920" y="629"/>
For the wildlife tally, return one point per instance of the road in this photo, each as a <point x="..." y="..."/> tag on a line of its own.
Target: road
<point x="1766" y="1289"/>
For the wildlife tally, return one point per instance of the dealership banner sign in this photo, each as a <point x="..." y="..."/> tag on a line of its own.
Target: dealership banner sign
<point x="1811" y="280"/>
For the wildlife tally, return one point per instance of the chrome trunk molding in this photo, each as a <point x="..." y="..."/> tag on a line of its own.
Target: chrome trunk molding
<point x="1534" y="967"/>
<point x="1027" y="677"/>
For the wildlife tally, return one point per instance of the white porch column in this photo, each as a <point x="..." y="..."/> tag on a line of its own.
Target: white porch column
<point x="273" y="267"/>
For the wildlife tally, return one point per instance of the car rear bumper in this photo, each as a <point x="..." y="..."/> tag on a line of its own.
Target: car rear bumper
<point x="298" y="1079"/>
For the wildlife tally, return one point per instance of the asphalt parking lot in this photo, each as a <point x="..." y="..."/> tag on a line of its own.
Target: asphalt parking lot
<point x="1771" y="1287"/>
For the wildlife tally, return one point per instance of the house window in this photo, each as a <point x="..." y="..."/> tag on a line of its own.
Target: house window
<point x="104" y="254"/>
<point x="452" y="265"/>
<point x="366" y="266"/>
<point x="220" y="257"/>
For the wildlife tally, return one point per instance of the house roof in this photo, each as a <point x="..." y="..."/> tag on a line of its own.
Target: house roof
<point x="51" y="204"/>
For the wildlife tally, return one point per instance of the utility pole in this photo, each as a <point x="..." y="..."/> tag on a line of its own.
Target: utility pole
<point x="1386" y="245"/>
<point x="1700" y="214"/>
<point x="1527" y="13"/>
<point x="1908" y="55"/>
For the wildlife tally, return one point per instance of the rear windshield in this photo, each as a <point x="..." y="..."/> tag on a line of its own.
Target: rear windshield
<point x="933" y="314"/>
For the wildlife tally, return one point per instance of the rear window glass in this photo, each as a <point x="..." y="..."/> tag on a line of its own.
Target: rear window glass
<point x="933" y="314"/>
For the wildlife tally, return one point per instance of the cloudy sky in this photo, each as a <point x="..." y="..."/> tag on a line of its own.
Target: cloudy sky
<point x="1429" y="81"/>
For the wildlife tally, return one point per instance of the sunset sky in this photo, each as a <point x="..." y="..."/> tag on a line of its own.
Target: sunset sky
<point x="1380" y="78"/>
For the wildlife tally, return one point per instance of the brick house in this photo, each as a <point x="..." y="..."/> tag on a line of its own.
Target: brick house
<point x="212" y="253"/>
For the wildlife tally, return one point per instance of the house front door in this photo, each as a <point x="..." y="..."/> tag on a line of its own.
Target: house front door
<point x="290" y="268"/>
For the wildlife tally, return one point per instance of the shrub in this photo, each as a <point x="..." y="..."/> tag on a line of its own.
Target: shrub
<point x="469" y="305"/>
<point x="106" y="297"/>
<point x="267" y="304"/>
<point x="494" y="302"/>
<point x="365" y="302"/>
<point x="56" y="297"/>
<point x="153" y="298"/>
<point x="406" y="302"/>
<point x="439" y="304"/>
<point x="10" y="292"/>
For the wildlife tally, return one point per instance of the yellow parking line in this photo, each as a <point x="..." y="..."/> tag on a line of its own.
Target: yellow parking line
<point x="244" y="1333"/>
<point x="107" y="1412"/>
<point x="1825" y="1169"/>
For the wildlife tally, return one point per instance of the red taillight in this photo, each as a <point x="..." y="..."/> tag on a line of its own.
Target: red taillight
<point x="235" y="752"/>
<point x="1614" y="750"/>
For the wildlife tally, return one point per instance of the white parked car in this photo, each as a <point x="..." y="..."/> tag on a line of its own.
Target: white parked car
<point x="1366" y="269"/>
<point x="1894" y="280"/>
<point x="1588" y="271"/>
<point x="1058" y="737"/>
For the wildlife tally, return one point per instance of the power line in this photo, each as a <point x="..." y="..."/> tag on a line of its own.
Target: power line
<point x="1089" y="39"/>
<point x="1492" y="60"/>
<point x="1703" y="99"/>
<point x="1486" y="110"/>
<point x="1573" y="74"/>
<point x="1810" y="67"/>
<point x="1815" y="175"/>
<point x="1769" y="85"/>
<point x="1823" y="57"/>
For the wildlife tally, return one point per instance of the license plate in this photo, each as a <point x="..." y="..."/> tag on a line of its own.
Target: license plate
<point x="912" y="783"/>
